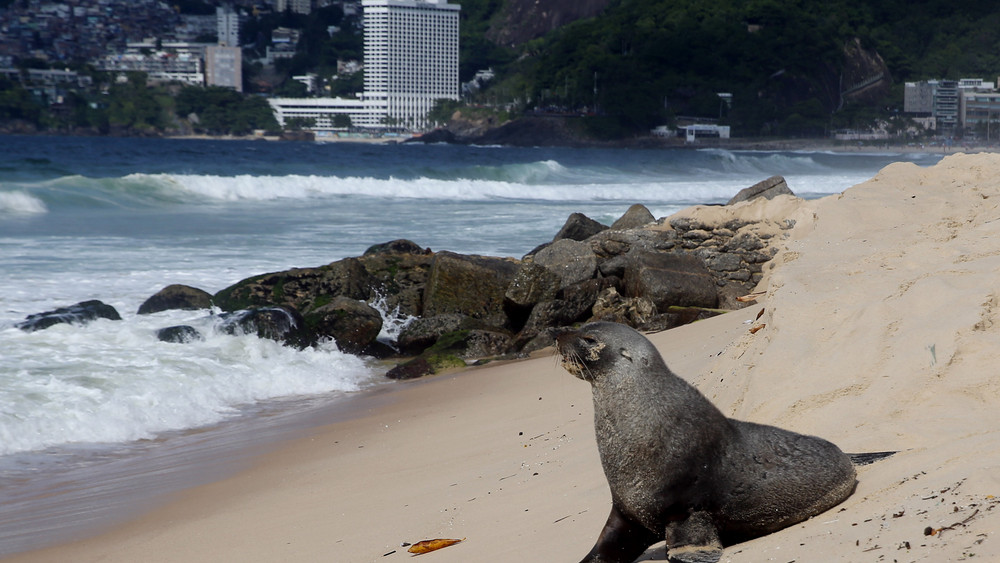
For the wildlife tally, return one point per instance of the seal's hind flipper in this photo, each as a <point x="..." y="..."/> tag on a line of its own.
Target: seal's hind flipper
<point x="869" y="457"/>
<point x="693" y="540"/>
<point x="695" y="554"/>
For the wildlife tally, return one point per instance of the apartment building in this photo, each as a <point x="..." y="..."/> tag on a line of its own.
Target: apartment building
<point x="411" y="57"/>
<point x="953" y="105"/>
<point x="410" y="60"/>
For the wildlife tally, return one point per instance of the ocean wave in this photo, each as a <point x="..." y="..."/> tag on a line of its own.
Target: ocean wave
<point x="114" y="382"/>
<point x="20" y="203"/>
<point x="763" y="162"/>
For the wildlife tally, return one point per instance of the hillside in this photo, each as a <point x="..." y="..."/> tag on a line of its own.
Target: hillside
<point x="793" y="68"/>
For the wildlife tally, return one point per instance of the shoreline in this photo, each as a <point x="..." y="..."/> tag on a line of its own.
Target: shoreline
<point x="650" y="143"/>
<point x="116" y="482"/>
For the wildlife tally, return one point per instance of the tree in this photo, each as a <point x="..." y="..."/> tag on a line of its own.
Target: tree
<point x="342" y="121"/>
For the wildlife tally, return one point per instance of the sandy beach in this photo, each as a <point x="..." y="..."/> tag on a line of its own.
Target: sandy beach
<point x="880" y="331"/>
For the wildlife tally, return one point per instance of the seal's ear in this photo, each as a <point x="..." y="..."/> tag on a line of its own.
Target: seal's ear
<point x="626" y="355"/>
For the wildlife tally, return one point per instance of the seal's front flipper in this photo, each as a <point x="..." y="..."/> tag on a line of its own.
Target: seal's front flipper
<point x="868" y="457"/>
<point x="621" y="541"/>
<point x="694" y="540"/>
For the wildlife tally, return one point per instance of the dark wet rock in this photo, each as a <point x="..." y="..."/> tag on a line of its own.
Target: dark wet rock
<point x="353" y="325"/>
<point x="636" y="216"/>
<point x="79" y="314"/>
<point x="571" y="260"/>
<point x="611" y="243"/>
<point x="417" y="367"/>
<point x="399" y="246"/>
<point x="469" y="285"/>
<point x="669" y="279"/>
<point x="379" y="350"/>
<point x="542" y="340"/>
<point x="580" y="297"/>
<point x="423" y="332"/>
<point x="181" y="334"/>
<point x="394" y="272"/>
<point x="436" y="136"/>
<point x="768" y="189"/>
<point x="485" y="344"/>
<point x="532" y="283"/>
<point x="579" y="227"/>
<point x="283" y="324"/>
<point x="545" y="315"/>
<point x="175" y="297"/>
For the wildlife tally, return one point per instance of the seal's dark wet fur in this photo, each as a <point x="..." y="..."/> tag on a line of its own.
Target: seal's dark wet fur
<point x="678" y="469"/>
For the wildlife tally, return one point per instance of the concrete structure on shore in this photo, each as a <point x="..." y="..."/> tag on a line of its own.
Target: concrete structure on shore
<point x="411" y="62"/>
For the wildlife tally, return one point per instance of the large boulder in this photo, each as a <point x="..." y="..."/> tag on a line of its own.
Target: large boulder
<point x="532" y="283"/>
<point x="180" y="334"/>
<point x="470" y="285"/>
<point x="768" y="189"/>
<point x="579" y="227"/>
<point x="423" y="332"/>
<point x="176" y="296"/>
<point x="636" y="216"/>
<point x="452" y="350"/>
<point x="283" y="324"/>
<point x="669" y="279"/>
<point x="571" y="260"/>
<point x="352" y="324"/>
<point x="80" y="313"/>
<point x="394" y="272"/>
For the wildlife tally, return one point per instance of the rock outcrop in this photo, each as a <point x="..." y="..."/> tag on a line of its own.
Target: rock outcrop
<point x="176" y="296"/>
<point x="80" y="313"/>
<point x="650" y="274"/>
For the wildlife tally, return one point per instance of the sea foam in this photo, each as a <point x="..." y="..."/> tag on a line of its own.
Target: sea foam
<point x="20" y="203"/>
<point x="113" y="381"/>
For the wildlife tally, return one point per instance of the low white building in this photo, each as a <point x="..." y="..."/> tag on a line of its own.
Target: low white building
<point x="698" y="131"/>
<point x="323" y="111"/>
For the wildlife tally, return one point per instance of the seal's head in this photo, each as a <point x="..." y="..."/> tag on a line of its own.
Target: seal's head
<point x="595" y="349"/>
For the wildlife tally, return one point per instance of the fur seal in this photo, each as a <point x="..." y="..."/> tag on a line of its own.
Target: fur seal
<point x="681" y="471"/>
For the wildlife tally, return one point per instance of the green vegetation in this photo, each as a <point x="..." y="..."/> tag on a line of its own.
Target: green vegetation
<point x="225" y="111"/>
<point x="645" y="62"/>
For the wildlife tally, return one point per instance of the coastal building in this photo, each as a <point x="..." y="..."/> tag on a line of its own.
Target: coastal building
<point x="171" y="62"/>
<point x="297" y="6"/>
<point x="411" y="57"/>
<point x="228" y="25"/>
<point x="224" y="67"/>
<point x="320" y="114"/>
<point x="944" y="102"/>
<point x="980" y="113"/>
<point x="410" y="62"/>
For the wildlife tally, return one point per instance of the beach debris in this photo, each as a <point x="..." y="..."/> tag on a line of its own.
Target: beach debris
<point x="427" y="546"/>
<point x="760" y="314"/>
<point x="753" y="330"/>
<point x="750" y="297"/>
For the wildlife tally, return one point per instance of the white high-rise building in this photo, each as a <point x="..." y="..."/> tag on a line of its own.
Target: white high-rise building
<point x="411" y="57"/>
<point x="411" y="62"/>
<point x="297" y="6"/>
<point x="228" y="24"/>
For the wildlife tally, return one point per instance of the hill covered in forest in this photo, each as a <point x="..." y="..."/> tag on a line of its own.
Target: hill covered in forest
<point x="793" y="67"/>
